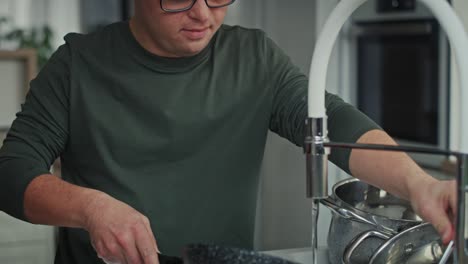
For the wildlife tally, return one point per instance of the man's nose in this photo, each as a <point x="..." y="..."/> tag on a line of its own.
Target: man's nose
<point x="199" y="11"/>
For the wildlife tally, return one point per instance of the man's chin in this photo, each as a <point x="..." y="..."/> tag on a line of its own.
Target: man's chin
<point x="195" y="48"/>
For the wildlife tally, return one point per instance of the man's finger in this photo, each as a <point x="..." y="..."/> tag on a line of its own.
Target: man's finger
<point x="150" y="233"/>
<point x="145" y="246"/>
<point x="132" y="255"/>
<point x="439" y="219"/>
<point x="114" y="253"/>
<point x="130" y="250"/>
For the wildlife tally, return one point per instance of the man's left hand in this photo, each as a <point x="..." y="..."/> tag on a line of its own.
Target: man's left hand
<point x="436" y="202"/>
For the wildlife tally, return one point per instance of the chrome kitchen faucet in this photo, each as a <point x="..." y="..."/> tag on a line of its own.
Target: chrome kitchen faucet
<point x="316" y="142"/>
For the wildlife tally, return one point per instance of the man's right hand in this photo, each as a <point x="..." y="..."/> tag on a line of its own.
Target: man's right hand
<point x="119" y="233"/>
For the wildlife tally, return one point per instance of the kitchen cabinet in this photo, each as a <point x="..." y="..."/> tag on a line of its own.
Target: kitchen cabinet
<point x="21" y="242"/>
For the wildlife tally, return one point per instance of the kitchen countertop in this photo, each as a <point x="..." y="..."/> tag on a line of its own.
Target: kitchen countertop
<point x="300" y="255"/>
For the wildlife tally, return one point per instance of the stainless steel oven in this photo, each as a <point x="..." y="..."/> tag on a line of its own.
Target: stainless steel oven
<point x="400" y="73"/>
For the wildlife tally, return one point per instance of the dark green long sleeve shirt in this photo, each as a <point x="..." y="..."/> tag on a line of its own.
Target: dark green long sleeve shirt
<point x="180" y="140"/>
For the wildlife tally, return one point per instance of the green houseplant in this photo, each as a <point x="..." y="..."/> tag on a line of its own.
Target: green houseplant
<point x="36" y="38"/>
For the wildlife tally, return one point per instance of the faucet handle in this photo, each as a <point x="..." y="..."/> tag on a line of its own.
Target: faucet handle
<point x="316" y="158"/>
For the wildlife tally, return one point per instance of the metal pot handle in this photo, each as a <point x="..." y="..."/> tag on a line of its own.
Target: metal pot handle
<point x="356" y="242"/>
<point x="347" y="214"/>
<point x="447" y="253"/>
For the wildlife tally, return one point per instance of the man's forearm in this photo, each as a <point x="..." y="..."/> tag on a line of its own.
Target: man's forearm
<point x="49" y="200"/>
<point x="393" y="171"/>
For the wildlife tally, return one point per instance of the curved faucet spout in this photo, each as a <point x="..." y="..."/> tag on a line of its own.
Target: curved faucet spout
<point x="327" y="38"/>
<point x="314" y="143"/>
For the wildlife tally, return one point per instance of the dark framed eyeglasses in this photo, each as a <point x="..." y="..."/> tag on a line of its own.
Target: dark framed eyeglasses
<point x="174" y="6"/>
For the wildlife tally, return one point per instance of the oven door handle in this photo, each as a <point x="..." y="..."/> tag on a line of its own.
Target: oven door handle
<point x="392" y="30"/>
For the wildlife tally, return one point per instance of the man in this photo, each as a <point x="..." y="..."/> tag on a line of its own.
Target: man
<point x="160" y="124"/>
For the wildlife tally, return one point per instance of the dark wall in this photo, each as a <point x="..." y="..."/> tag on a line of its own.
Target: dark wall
<point x="98" y="13"/>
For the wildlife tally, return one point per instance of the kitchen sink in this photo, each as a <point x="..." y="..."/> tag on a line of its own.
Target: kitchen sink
<point x="301" y="255"/>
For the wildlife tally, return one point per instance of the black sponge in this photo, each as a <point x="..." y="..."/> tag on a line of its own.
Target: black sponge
<point x="214" y="254"/>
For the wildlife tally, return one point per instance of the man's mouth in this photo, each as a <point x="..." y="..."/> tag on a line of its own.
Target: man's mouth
<point x="195" y="33"/>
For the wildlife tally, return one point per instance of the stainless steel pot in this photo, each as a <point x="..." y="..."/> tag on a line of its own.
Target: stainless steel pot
<point x="417" y="245"/>
<point x="359" y="208"/>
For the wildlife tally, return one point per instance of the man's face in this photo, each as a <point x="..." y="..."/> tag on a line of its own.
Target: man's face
<point x="175" y="34"/>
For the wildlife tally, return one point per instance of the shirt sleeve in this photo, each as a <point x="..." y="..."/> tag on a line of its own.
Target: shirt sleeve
<point x="289" y="110"/>
<point x="38" y="134"/>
